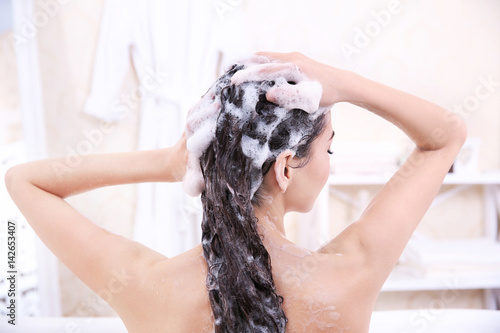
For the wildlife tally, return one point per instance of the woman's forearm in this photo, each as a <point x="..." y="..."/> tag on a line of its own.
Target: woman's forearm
<point x="64" y="179"/>
<point x="38" y="189"/>
<point x="430" y="126"/>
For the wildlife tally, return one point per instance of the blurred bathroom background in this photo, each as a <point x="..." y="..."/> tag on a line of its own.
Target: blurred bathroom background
<point x="95" y="76"/>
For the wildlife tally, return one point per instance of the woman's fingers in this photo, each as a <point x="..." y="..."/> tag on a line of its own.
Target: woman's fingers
<point x="179" y="158"/>
<point x="291" y="90"/>
<point x="257" y="59"/>
<point x="329" y="77"/>
<point x="278" y="56"/>
<point x="305" y="95"/>
<point x="268" y="72"/>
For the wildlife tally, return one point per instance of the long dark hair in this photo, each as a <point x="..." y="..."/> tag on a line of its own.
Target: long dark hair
<point x="240" y="283"/>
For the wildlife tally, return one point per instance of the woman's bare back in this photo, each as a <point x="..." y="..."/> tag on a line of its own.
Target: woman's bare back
<point x="319" y="293"/>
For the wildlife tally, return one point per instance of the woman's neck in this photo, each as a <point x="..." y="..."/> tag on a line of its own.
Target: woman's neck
<point x="271" y="223"/>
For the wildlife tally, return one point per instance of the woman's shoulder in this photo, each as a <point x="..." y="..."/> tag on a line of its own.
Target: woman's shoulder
<point x="173" y="291"/>
<point x="186" y="270"/>
<point x="320" y="291"/>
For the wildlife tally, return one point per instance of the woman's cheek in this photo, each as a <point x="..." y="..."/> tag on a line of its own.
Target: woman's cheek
<point x="326" y="169"/>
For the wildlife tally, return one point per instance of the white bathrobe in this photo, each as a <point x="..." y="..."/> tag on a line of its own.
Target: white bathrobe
<point x="175" y="47"/>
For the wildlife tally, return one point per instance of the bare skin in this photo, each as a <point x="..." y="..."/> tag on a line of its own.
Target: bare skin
<point x="331" y="290"/>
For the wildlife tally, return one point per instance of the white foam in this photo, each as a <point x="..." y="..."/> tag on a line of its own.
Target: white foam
<point x="305" y="95"/>
<point x="193" y="183"/>
<point x="268" y="72"/>
<point x="254" y="150"/>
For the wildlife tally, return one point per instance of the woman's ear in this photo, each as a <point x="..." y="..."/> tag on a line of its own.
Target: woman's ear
<point x="282" y="169"/>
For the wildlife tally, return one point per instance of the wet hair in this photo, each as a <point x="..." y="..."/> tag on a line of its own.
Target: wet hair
<point x="239" y="280"/>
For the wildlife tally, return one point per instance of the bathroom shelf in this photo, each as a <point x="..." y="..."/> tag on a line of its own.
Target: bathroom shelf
<point x="490" y="183"/>
<point x="492" y="178"/>
<point x="458" y="280"/>
<point x="400" y="279"/>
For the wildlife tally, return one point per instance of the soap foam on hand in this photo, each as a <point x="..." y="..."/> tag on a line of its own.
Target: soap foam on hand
<point x="290" y="89"/>
<point x="200" y="127"/>
<point x="193" y="183"/>
<point x="268" y="72"/>
<point x="304" y="95"/>
<point x="200" y="131"/>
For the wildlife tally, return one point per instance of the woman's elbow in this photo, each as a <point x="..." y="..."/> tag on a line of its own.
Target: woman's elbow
<point x="14" y="179"/>
<point x="456" y="132"/>
<point x="9" y="178"/>
<point x="460" y="132"/>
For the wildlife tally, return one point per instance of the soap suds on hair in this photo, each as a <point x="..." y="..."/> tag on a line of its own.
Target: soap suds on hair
<point x="290" y="90"/>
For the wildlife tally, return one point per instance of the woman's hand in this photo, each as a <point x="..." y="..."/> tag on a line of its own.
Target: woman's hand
<point x="177" y="159"/>
<point x="293" y="66"/>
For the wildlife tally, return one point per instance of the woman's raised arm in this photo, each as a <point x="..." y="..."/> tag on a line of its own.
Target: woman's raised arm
<point x="388" y="222"/>
<point x="104" y="261"/>
<point x="384" y="228"/>
<point x="64" y="178"/>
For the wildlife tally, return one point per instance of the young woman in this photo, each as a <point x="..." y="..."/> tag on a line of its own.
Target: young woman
<point x="246" y="276"/>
